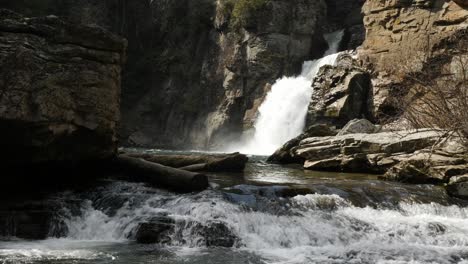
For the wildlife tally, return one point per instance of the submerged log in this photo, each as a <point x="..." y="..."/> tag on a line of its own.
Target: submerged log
<point x="160" y="175"/>
<point x="234" y="162"/>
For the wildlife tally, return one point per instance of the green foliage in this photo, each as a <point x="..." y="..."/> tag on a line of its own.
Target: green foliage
<point x="244" y="10"/>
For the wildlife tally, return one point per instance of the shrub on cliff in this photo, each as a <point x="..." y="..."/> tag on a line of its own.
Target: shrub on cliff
<point x="439" y="95"/>
<point x="243" y="11"/>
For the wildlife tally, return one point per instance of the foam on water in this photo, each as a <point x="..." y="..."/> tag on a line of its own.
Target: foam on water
<point x="314" y="228"/>
<point x="51" y="250"/>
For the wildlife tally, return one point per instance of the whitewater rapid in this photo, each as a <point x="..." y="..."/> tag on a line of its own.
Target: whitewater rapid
<point x="282" y="115"/>
<point x="271" y="228"/>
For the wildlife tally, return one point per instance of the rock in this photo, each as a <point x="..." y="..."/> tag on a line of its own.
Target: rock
<point x="446" y="172"/>
<point x="158" y="230"/>
<point x="217" y="234"/>
<point x="346" y="14"/>
<point x="162" y="230"/>
<point x="409" y="155"/>
<point x="458" y="186"/>
<point x="356" y="126"/>
<point x="340" y="94"/>
<point x="173" y="99"/>
<point x="463" y="3"/>
<point x="60" y="95"/>
<point x="410" y="172"/>
<point x="283" y="155"/>
<point x="332" y="164"/>
<point x="396" y="34"/>
<point x="29" y="219"/>
<point x="384" y="142"/>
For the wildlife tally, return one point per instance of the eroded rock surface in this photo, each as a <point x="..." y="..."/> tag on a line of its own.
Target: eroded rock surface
<point x="341" y="93"/>
<point x="402" y="37"/>
<point x="59" y="90"/>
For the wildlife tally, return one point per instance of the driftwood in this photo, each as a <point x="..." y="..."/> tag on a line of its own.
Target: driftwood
<point x="234" y="162"/>
<point x="162" y="176"/>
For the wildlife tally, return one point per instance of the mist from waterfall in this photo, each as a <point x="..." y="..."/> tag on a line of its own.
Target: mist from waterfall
<point x="282" y="116"/>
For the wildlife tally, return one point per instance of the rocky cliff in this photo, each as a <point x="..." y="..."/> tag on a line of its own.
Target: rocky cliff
<point x="200" y="69"/>
<point x="59" y="90"/>
<point x="405" y="37"/>
<point x="212" y="63"/>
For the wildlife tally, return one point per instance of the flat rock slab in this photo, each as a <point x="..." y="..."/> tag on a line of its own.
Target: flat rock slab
<point x="317" y="148"/>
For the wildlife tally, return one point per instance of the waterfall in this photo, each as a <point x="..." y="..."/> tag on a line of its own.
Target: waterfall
<point x="282" y="115"/>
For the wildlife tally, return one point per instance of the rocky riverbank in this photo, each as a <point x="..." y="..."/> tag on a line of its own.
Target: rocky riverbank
<point x="411" y="156"/>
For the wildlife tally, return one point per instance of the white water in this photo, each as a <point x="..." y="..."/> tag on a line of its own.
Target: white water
<point x="315" y="228"/>
<point x="282" y="115"/>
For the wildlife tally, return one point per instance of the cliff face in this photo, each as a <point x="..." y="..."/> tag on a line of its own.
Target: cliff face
<point x="210" y="64"/>
<point x="198" y="70"/>
<point x="402" y="36"/>
<point x="59" y="90"/>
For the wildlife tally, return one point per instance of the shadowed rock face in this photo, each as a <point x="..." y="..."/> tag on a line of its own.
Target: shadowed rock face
<point x="192" y="77"/>
<point x="207" y="74"/>
<point x="59" y="90"/>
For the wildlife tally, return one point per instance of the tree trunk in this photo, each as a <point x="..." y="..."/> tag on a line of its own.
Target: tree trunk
<point x="162" y="176"/>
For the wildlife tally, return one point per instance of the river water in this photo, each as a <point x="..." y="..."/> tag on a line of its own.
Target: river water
<point x="278" y="214"/>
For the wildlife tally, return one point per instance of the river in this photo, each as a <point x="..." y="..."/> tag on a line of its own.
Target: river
<point x="278" y="214"/>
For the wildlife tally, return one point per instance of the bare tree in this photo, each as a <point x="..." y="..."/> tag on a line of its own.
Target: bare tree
<point x="438" y="97"/>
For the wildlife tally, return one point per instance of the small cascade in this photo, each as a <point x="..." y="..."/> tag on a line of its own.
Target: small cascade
<point x="301" y="229"/>
<point x="282" y="115"/>
<point x="254" y="224"/>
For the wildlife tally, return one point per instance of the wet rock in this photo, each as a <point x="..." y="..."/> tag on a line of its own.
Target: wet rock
<point x="332" y="164"/>
<point x="355" y="126"/>
<point x="425" y="170"/>
<point x="162" y="230"/>
<point x="27" y="219"/>
<point x="341" y="93"/>
<point x="458" y="186"/>
<point x="284" y="156"/>
<point x="59" y="90"/>
<point x="217" y="234"/>
<point x="410" y="172"/>
<point x="157" y="230"/>
<point x="436" y="228"/>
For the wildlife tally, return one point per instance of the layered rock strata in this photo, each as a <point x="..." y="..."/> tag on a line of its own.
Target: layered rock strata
<point x="407" y="37"/>
<point x="59" y="90"/>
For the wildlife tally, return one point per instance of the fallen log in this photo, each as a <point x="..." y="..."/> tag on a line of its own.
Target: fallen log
<point x="162" y="176"/>
<point x="234" y="162"/>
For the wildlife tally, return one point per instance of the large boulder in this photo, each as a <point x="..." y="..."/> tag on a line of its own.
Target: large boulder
<point x="164" y="230"/>
<point x="59" y="90"/>
<point x="156" y="231"/>
<point x="341" y="93"/>
<point x="356" y="126"/>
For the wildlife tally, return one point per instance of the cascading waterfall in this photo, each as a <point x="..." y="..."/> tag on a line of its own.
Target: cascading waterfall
<point x="283" y="113"/>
